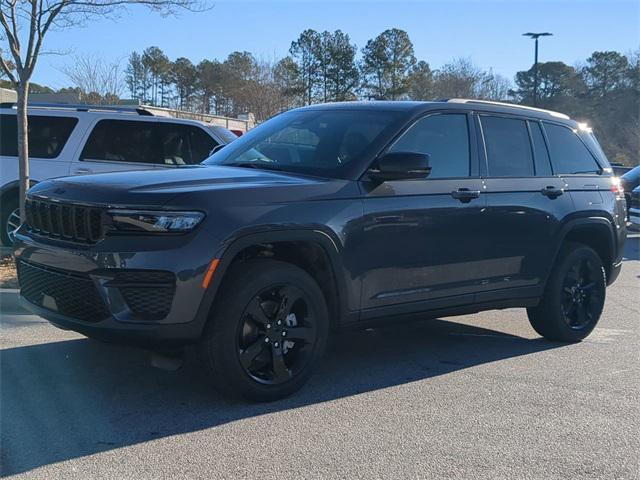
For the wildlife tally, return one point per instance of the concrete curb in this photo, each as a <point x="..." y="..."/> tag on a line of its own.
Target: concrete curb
<point x="10" y="301"/>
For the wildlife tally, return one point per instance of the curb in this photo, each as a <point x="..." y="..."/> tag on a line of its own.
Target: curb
<point x="10" y="301"/>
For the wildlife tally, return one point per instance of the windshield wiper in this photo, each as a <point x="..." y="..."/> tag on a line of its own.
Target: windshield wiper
<point x="255" y="164"/>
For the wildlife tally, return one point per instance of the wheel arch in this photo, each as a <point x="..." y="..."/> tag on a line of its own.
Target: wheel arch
<point x="595" y="232"/>
<point x="313" y="250"/>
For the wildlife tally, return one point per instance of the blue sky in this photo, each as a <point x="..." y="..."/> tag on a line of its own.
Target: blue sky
<point x="488" y="32"/>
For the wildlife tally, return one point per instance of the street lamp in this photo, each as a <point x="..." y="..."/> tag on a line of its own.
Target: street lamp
<point x="535" y="36"/>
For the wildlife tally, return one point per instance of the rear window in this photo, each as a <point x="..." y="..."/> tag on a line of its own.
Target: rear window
<point x="568" y="153"/>
<point x="508" y="147"/>
<point x="184" y="144"/>
<point x="47" y="135"/>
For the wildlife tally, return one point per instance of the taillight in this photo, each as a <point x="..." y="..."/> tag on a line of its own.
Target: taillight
<point x="616" y="187"/>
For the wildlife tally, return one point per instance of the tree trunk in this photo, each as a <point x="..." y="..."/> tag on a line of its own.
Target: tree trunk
<point x="23" y="145"/>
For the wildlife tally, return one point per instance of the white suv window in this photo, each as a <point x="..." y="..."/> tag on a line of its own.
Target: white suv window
<point x="121" y="141"/>
<point x="47" y="135"/>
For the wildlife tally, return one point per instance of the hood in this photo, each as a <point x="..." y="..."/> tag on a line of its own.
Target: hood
<point x="160" y="187"/>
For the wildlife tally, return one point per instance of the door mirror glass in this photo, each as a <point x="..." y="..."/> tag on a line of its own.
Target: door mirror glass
<point x="401" y="166"/>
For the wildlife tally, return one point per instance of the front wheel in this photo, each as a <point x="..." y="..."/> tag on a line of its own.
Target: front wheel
<point x="268" y="330"/>
<point x="10" y="218"/>
<point x="573" y="298"/>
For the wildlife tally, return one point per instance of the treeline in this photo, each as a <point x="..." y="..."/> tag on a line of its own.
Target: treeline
<point x="603" y="90"/>
<point x="321" y="67"/>
<point x="328" y="67"/>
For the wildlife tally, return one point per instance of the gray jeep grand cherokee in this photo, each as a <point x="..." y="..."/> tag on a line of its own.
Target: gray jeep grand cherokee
<point x="328" y="217"/>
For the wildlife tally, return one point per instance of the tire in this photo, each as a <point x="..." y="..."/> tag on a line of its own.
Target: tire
<point x="10" y="206"/>
<point x="574" y="296"/>
<point x="244" y="346"/>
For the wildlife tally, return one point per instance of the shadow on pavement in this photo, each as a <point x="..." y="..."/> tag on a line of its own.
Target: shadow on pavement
<point x="74" y="398"/>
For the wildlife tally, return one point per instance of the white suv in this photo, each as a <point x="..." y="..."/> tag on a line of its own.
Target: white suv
<point x="77" y="140"/>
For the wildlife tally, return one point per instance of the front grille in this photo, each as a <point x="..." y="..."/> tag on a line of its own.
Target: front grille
<point x="148" y="294"/>
<point x="64" y="221"/>
<point x="70" y="294"/>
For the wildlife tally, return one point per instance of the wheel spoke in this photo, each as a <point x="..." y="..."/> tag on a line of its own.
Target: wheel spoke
<point x="288" y="297"/>
<point x="248" y="355"/>
<point x="280" y="370"/>
<point x="256" y="312"/>
<point x="301" y="333"/>
<point x="580" y="315"/>
<point x="589" y="286"/>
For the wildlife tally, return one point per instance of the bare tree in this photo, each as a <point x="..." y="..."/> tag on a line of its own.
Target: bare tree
<point x="95" y="78"/>
<point x="25" y="24"/>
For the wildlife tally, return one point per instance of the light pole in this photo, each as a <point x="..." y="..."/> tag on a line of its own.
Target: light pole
<point x="535" y="36"/>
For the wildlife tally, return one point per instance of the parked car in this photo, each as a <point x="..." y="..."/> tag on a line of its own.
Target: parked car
<point x="77" y="140"/>
<point x="619" y="169"/>
<point x="630" y="181"/>
<point x="329" y="217"/>
<point x="634" y="208"/>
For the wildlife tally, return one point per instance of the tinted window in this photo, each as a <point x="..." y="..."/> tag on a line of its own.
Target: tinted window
<point x="445" y="138"/>
<point x="122" y="141"/>
<point x="47" y="135"/>
<point x="184" y="144"/>
<point x="568" y="153"/>
<point x="540" y="153"/>
<point x="327" y="143"/>
<point x="508" y="147"/>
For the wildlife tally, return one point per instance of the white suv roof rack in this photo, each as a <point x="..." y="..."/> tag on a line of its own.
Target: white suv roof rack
<point x="83" y="108"/>
<point x="504" y="104"/>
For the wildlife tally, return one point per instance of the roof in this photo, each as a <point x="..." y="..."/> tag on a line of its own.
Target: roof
<point x="452" y="103"/>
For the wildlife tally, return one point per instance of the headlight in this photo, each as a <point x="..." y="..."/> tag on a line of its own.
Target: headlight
<point x="154" y="221"/>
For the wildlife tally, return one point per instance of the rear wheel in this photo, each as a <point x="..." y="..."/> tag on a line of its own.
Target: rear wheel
<point x="10" y="218"/>
<point x="573" y="298"/>
<point x="268" y="331"/>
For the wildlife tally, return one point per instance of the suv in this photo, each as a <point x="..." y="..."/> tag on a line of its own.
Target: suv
<point x="73" y="140"/>
<point x="329" y="217"/>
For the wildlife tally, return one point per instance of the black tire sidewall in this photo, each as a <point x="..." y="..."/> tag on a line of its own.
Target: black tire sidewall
<point x="244" y="282"/>
<point x="548" y="318"/>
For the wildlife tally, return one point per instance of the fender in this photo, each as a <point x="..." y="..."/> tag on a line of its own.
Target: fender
<point x="14" y="185"/>
<point x="575" y="223"/>
<point x="231" y="248"/>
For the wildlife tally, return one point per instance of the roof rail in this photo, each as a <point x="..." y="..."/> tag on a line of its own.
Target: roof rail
<point x="505" y="104"/>
<point x="82" y="108"/>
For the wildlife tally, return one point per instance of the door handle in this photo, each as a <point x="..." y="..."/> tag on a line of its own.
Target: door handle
<point x="465" y="195"/>
<point x="551" y="191"/>
<point x="82" y="171"/>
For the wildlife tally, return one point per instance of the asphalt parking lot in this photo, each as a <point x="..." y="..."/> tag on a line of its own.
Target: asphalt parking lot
<point x="478" y="396"/>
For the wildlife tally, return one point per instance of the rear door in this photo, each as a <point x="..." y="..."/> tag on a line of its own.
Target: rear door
<point x="117" y="144"/>
<point x="526" y="202"/>
<point x="420" y="237"/>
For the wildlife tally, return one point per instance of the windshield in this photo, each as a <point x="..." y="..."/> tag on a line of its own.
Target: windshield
<point x="326" y="143"/>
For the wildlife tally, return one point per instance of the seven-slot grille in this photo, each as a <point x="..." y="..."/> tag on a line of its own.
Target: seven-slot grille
<point x="65" y="221"/>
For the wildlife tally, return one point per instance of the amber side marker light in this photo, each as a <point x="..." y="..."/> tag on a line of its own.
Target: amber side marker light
<point x="210" y="271"/>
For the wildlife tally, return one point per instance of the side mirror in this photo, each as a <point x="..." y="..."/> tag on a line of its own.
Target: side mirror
<point x="216" y="148"/>
<point x="401" y="166"/>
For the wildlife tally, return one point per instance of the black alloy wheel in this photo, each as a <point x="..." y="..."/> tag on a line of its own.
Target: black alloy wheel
<point x="574" y="296"/>
<point x="276" y="335"/>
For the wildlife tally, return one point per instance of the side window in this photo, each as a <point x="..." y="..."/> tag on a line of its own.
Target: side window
<point x="568" y="153"/>
<point x="184" y="144"/>
<point x="121" y="141"/>
<point x="445" y="137"/>
<point x="47" y="135"/>
<point x="540" y="153"/>
<point x="508" y="147"/>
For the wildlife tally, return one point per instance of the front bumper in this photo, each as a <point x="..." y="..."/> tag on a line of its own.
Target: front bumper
<point x="136" y="290"/>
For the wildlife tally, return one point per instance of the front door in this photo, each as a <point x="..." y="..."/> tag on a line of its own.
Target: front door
<point x="419" y="237"/>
